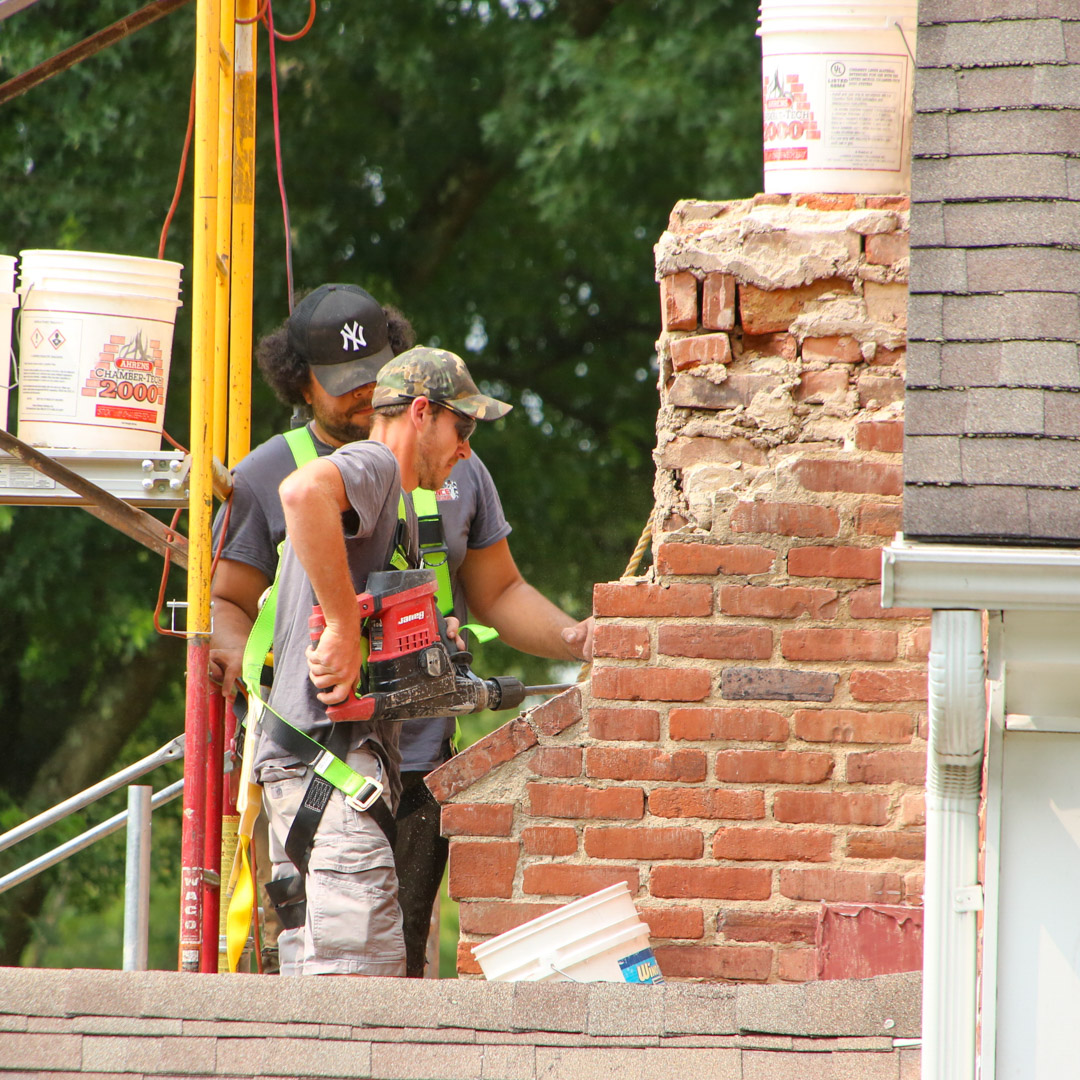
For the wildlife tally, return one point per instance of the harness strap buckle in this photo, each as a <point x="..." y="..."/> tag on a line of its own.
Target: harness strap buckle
<point x="367" y="796"/>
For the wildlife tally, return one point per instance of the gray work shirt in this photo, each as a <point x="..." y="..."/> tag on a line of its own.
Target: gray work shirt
<point x="369" y="471"/>
<point x="472" y="517"/>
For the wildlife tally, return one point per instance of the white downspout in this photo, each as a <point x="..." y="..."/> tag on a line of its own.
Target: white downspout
<point x="957" y="712"/>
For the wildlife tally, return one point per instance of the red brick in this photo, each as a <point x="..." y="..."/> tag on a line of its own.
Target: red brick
<point x="879" y="390"/>
<point x="785" y="519"/>
<point x="888" y="685"/>
<point x="888" y="202"/>
<point x="885" y="249"/>
<point x="477" y="819"/>
<point x="884" y="435"/>
<point x="678" y="301"/>
<point x="887" y="766"/>
<point x="557" y="713"/>
<point x="556" y="761"/>
<point x="691" y="390"/>
<point x="866" y="604"/>
<point x="497" y="916"/>
<point x="860" y="477"/>
<point x="476" y="761"/>
<point x="816" y="387"/>
<point x="823" y="643"/>
<point x="879" y="519"/>
<point x="782" y="345"/>
<point x="677" y="921"/>
<point x="826" y="202"/>
<point x="836" y="562"/>
<point x="851" y="725"/>
<point x="579" y="801"/>
<point x="886" y="303"/>
<point x="919" y="647"/>
<point x="737" y="963"/>
<point x="559" y="879"/>
<point x="688" y="352"/>
<point x="712" y="642"/>
<point x="657" y="842"/>
<point x="913" y="809"/>
<point x="797" y="965"/>
<point x="740" y="725"/>
<point x="913" y="886"/>
<point x="778" y="602"/>
<point x="549" y="840"/>
<point x="713" y="559"/>
<point x="644" y="763"/>
<point x="852" y="886"/>
<point x="712" y="803"/>
<point x="894" y="358"/>
<point x="772" y="767"/>
<point x="833" y="350"/>
<point x="623" y="642"/>
<point x="640" y="725"/>
<point x="718" y="302"/>
<point x="686" y="558"/>
<point x="651" y="601"/>
<point x="467" y="964"/>
<point x="780" y="684"/>
<point x="773" y="845"/>
<point x="783" y="928"/>
<point x="482" y="867"/>
<point x="684" y="451"/>
<point x="651" y="684"/>
<point x="768" y="311"/>
<point x="712" y="882"/>
<point x="830" y="808"/>
<point x="887" y="844"/>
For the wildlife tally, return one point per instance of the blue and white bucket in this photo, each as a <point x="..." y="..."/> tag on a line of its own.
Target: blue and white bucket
<point x="598" y="938"/>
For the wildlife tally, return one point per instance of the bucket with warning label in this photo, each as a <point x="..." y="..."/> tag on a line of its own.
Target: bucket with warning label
<point x="95" y="342"/>
<point x="9" y="301"/>
<point x="837" y="95"/>
<point x="598" y="938"/>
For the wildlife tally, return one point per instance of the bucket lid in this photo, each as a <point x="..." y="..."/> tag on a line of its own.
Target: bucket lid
<point x="33" y="255"/>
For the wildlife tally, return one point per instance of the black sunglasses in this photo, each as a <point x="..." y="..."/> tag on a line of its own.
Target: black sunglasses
<point x="463" y="425"/>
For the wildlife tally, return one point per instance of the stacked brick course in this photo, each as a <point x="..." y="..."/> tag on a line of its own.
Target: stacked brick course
<point x="749" y="752"/>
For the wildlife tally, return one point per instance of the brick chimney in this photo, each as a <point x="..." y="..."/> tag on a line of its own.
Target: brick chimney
<point x="749" y="752"/>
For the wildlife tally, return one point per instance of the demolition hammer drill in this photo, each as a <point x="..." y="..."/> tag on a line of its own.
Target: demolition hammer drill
<point x="411" y="672"/>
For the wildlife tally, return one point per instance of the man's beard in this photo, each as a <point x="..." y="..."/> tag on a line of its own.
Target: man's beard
<point x="346" y="429"/>
<point x="431" y="472"/>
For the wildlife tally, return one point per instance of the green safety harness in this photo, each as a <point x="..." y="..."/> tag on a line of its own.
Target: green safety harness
<point x="330" y="770"/>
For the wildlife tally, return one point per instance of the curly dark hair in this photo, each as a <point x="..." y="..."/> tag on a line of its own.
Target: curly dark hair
<point x="287" y="373"/>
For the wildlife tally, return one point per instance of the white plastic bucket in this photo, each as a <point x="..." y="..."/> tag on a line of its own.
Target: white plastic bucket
<point x="95" y="344"/>
<point x="9" y="301"/>
<point x="837" y="95"/>
<point x="598" y="938"/>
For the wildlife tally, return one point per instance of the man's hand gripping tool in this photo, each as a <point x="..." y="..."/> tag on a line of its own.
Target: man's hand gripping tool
<point x="411" y="672"/>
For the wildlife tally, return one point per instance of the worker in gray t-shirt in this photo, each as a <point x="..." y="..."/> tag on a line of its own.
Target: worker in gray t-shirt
<point x="327" y="356"/>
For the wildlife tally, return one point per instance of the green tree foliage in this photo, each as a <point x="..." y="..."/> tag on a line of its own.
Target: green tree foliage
<point x="500" y="170"/>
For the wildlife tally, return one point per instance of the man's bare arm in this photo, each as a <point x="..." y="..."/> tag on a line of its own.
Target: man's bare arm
<point x="499" y="596"/>
<point x="235" y="593"/>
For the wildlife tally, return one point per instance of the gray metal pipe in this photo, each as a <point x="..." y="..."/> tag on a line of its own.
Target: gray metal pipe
<point x="137" y="879"/>
<point x="169" y="752"/>
<point x="106" y="828"/>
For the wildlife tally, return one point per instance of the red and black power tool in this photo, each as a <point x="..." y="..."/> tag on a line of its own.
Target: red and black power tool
<point x="411" y="672"/>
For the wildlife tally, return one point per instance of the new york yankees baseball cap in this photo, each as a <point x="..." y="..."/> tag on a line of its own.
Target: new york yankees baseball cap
<point x="340" y="331"/>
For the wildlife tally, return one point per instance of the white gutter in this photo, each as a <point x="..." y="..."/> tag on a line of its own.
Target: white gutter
<point x="980" y="577"/>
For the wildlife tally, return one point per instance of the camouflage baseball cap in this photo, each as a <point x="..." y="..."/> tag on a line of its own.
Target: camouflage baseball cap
<point x="341" y="332"/>
<point x="438" y="375"/>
